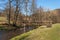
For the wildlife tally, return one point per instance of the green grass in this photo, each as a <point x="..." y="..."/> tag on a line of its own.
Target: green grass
<point x="22" y="37"/>
<point x="3" y="19"/>
<point x="41" y="34"/>
<point x="6" y="28"/>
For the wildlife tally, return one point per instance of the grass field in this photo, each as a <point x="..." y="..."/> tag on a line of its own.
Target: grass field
<point x="52" y="33"/>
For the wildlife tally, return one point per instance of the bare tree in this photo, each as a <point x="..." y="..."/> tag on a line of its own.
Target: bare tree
<point x="26" y="6"/>
<point x="9" y="12"/>
<point x="33" y="10"/>
<point x="16" y="12"/>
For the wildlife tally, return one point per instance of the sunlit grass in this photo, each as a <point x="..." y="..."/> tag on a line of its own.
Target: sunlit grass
<point x="3" y="18"/>
<point x="52" y="33"/>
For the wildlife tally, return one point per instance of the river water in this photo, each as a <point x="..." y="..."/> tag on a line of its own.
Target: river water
<point x="6" y="35"/>
<point x="2" y="35"/>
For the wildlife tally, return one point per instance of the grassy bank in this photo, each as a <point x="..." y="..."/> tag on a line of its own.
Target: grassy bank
<point x="6" y="28"/>
<point x="41" y="34"/>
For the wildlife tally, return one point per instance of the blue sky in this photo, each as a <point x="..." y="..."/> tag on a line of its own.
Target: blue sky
<point x="51" y="4"/>
<point x="2" y="3"/>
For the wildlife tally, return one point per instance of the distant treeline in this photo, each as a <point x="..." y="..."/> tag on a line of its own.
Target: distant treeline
<point x="25" y="12"/>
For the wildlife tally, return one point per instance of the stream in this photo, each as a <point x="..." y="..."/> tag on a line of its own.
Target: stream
<point x="6" y="35"/>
